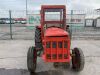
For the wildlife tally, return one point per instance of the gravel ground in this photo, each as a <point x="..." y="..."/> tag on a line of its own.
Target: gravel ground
<point x="13" y="58"/>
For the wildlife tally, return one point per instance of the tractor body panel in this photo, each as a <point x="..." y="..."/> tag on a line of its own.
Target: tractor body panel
<point x="47" y="22"/>
<point x="56" y="45"/>
<point x="56" y="49"/>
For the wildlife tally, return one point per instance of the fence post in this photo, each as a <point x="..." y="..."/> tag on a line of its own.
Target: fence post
<point x="10" y="24"/>
<point x="71" y="22"/>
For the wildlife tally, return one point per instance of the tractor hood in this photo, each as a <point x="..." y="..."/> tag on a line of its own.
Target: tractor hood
<point x="55" y="32"/>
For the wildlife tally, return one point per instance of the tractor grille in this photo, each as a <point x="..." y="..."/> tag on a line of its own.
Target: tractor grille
<point x="56" y="50"/>
<point x="54" y="44"/>
<point x="54" y="56"/>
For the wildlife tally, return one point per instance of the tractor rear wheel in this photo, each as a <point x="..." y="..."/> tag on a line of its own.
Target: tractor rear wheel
<point x="77" y="59"/>
<point x="38" y="35"/>
<point x="32" y="59"/>
<point x="38" y="41"/>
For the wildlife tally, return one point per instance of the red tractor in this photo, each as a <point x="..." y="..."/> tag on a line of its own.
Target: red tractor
<point x="52" y="41"/>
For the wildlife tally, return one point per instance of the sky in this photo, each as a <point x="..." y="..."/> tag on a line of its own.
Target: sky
<point x="35" y="4"/>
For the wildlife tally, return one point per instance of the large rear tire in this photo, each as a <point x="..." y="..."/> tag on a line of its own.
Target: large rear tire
<point x="32" y="59"/>
<point x="77" y="59"/>
<point x="38" y="41"/>
<point x="38" y="35"/>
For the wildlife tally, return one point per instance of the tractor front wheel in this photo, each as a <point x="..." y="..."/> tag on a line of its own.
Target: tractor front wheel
<point x="77" y="59"/>
<point x="32" y="59"/>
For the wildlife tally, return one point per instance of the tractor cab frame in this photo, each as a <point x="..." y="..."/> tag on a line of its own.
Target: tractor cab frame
<point x="47" y="10"/>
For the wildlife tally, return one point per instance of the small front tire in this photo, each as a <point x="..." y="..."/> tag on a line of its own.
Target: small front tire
<point x="77" y="59"/>
<point x="32" y="59"/>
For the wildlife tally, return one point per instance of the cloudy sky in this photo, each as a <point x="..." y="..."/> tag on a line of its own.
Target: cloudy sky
<point x="35" y="4"/>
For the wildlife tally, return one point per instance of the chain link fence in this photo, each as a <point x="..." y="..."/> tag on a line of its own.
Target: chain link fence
<point x="17" y="25"/>
<point x="4" y="29"/>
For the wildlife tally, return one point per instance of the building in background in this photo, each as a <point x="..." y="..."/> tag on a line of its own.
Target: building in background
<point x="75" y="20"/>
<point x="97" y="22"/>
<point x="91" y="20"/>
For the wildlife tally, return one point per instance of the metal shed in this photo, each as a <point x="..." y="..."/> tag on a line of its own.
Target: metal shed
<point x="90" y="21"/>
<point x="97" y="22"/>
<point x="75" y="19"/>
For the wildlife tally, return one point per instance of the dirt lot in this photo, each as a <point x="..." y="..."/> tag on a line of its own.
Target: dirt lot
<point x="13" y="58"/>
